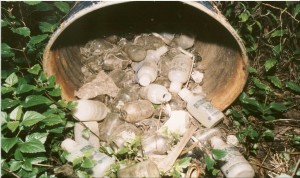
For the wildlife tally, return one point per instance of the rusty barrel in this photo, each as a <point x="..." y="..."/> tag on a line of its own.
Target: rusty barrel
<point x="224" y="56"/>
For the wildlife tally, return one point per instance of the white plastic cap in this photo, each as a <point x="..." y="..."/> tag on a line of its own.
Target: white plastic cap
<point x="145" y="80"/>
<point x="69" y="145"/>
<point x="175" y="86"/>
<point x="166" y="97"/>
<point x="185" y="94"/>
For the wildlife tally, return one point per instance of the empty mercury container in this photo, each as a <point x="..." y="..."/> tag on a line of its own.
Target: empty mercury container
<point x="224" y="56"/>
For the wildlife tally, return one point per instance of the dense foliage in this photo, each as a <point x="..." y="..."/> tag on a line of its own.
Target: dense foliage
<point x="34" y="119"/>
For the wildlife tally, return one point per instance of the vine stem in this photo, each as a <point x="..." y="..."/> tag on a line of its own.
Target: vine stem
<point x="269" y="5"/>
<point x="12" y="173"/>
<point x="296" y="167"/>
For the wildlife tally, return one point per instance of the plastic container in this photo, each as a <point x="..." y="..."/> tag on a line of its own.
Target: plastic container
<point x="184" y="41"/>
<point x="90" y="110"/>
<point x="154" y="55"/>
<point x="76" y="150"/>
<point x="109" y="125"/>
<point x="155" y="93"/>
<point x="179" y="72"/>
<point x="233" y="164"/>
<point x="135" y="52"/>
<point x="177" y="123"/>
<point x="141" y="169"/>
<point x="147" y="73"/>
<point x="155" y="144"/>
<point x="86" y="135"/>
<point x="201" y="109"/>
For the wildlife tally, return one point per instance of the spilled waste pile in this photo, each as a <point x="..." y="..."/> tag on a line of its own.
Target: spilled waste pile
<point x="142" y="112"/>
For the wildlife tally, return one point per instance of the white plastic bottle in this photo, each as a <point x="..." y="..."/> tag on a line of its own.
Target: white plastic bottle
<point x="185" y="41"/>
<point x="155" y="93"/>
<point x="177" y="123"/>
<point x="76" y="150"/>
<point x="156" y="54"/>
<point x="179" y="71"/>
<point x="89" y="138"/>
<point x="147" y="73"/>
<point x="233" y="164"/>
<point x="201" y="109"/>
<point x="89" y="110"/>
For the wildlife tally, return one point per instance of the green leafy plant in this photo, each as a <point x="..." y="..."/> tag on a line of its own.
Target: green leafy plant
<point x="211" y="161"/>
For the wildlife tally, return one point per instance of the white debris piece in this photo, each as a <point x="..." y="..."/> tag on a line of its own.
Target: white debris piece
<point x="197" y="76"/>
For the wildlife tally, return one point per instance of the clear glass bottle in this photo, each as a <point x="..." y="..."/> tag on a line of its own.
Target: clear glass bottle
<point x="90" y="110"/>
<point x="155" y="55"/>
<point x="233" y="164"/>
<point x="135" y="52"/>
<point x="155" y="93"/>
<point x="136" y="111"/>
<point x="184" y="41"/>
<point x="109" y="125"/>
<point x="155" y="144"/>
<point x="87" y="135"/>
<point x="141" y="169"/>
<point x="76" y="150"/>
<point x="201" y="109"/>
<point x="125" y="95"/>
<point x="124" y="132"/>
<point x="179" y="71"/>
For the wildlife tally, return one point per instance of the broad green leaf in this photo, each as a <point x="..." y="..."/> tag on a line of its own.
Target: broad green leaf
<point x="34" y="100"/>
<point x="39" y="136"/>
<point x="13" y="125"/>
<point x="47" y="27"/>
<point x="209" y="162"/>
<point x="270" y="63"/>
<point x="12" y="79"/>
<point x="37" y="39"/>
<point x="44" y="6"/>
<point x="218" y="154"/>
<point x="244" y="16"/>
<point x="260" y="85"/>
<point x="4" y="23"/>
<point x="8" y="143"/>
<point x="18" y="155"/>
<point x="87" y="163"/>
<point x="27" y="165"/>
<point x="268" y="133"/>
<point x="4" y="117"/>
<point x="35" y="69"/>
<point x="252" y="70"/>
<point x="62" y="6"/>
<point x="269" y="118"/>
<point x="8" y="103"/>
<point x="24" y="87"/>
<point x="296" y="12"/>
<point x="16" y="113"/>
<point x="24" y="31"/>
<point x="32" y="2"/>
<point x="244" y="98"/>
<point x="5" y="90"/>
<point x="32" y="146"/>
<point x="52" y="119"/>
<point x="31" y="117"/>
<point x="15" y="165"/>
<point x="275" y="81"/>
<point x="277" y="49"/>
<point x="278" y="106"/>
<point x="36" y="160"/>
<point x="184" y="162"/>
<point x="6" y="50"/>
<point x="277" y="33"/>
<point x="293" y="86"/>
<point x="55" y="92"/>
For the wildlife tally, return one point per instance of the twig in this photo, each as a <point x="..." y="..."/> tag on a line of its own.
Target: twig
<point x="12" y="173"/>
<point x="296" y="167"/>
<point x="189" y="148"/>
<point x="269" y="5"/>
<point x="264" y="159"/>
<point x="167" y="163"/>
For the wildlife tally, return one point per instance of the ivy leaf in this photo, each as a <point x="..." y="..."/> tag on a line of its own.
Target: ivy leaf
<point x="39" y="136"/>
<point x="293" y="86"/>
<point x="260" y="85"/>
<point x="37" y="39"/>
<point x="209" y="162"/>
<point x="52" y="119"/>
<point x="16" y="113"/>
<point x="6" y="50"/>
<point x="27" y="165"/>
<point x="62" y="6"/>
<point x="32" y="146"/>
<point x="35" y="69"/>
<point x="18" y="155"/>
<point x="184" y="162"/>
<point x="4" y="117"/>
<point x="277" y="49"/>
<point x="31" y="117"/>
<point x="4" y="23"/>
<point x="278" y="106"/>
<point x="12" y="125"/>
<point x="275" y="81"/>
<point x="244" y="16"/>
<point x="5" y="90"/>
<point x="47" y="27"/>
<point x="218" y="154"/>
<point x="278" y="33"/>
<point x="37" y="160"/>
<point x="12" y="79"/>
<point x="31" y="3"/>
<point x="15" y="165"/>
<point x="270" y="63"/>
<point x="34" y="100"/>
<point x="55" y="92"/>
<point x="24" y="31"/>
<point x="8" y="143"/>
<point x="252" y="70"/>
<point x="268" y="133"/>
<point x="87" y="163"/>
<point x="8" y="103"/>
<point x="24" y="87"/>
<point x="296" y="12"/>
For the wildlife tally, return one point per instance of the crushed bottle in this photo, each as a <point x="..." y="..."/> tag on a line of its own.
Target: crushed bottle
<point x="137" y="110"/>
